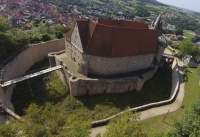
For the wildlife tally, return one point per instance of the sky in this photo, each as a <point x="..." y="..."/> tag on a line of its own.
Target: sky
<point x="187" y="4"/>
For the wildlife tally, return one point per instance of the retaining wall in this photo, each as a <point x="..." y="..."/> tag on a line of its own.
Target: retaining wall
<point x="23" y="61"/>
<point x="80" y="87"/>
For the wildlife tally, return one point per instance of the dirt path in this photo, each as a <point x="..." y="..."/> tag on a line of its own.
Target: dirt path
<point x="155" y="111"/>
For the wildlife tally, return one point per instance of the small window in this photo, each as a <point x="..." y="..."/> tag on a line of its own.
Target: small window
<point x="74" y="59"/>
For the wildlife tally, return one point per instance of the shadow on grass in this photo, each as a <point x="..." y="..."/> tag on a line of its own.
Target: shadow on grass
<point x="48" y="88"/>
<point x="156" y="89"/>
<point x="39" y="90"/>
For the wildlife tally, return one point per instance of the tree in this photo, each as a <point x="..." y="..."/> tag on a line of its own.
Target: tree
<point x="189" y="124"/>
<point x="196" y="38"/>
<point x="4" y="24"/>
<point x="8" y="44"/>
<point x="61" y="28"/>
<point x="179" y="32"/>
<point x="180" y="38"/>
<point x="6" y="131"/>
<point x="186" y="47"/>
<point x="45" y="37"/>
<point x="59" y="35"/>
<point x="125" y="125"/>
<point x="50" y="121"/>
<point x="170" y="42"/>
<point x="142" y="12"/>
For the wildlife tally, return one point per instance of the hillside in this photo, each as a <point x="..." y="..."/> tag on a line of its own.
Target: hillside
<point x="152" y="6"/>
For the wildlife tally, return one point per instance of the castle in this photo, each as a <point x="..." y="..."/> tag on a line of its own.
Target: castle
<point x="108" y="56"/>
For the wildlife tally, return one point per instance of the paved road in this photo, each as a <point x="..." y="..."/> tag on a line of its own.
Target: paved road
<point x="155" y="111"/>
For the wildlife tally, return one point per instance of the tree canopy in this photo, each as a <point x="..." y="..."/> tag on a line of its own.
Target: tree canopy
<point x="13" y="39"/>
<point x="186" y="47"/>
<point x="142" y="12"/>
<point x="125" y="125"/>
<point x="183" y="23"/>
<point x="189" y="124"/>
<point x="47" y="121"/>
<point x="4" y="24"/>
<point x="179" y="32"/>
<point x="196" y="38"/>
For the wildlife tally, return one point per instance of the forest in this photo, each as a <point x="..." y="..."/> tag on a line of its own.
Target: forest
<point x="183" y="23"/>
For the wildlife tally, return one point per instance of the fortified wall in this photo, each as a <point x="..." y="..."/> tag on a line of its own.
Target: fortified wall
<point x="36" y="52"/>
<point x="110" y="56"/>
<point x="23" y="61"/>
<point x="81" y="85"/>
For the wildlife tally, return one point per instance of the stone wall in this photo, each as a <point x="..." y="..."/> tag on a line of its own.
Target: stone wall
<point x="36" y="52"/>
<point x="175" y="76"/>
<point x="73" y="53"/>
<point x="91" y="86"/>
<point x="75" y="39"/>
<point x="21" y="63"/>
<point x="109" y="66"/>
<point x="81" y="87"/>
<point x="160" y="53"/>
<point x="112" y="66"/>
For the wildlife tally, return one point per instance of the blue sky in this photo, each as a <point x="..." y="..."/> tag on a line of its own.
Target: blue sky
<point x="188" y="4"/>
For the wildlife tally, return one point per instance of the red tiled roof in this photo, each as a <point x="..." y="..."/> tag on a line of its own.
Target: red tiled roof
<point x="109" y="38"/>
<point x="122" y="23"/>
<point x="83" y="31"/>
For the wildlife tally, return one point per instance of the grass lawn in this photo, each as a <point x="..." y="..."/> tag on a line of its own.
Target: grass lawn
<point x="189" y="34"/>
<point x="192" y="93"/>
<point x="48" y="88"/>
<point x="98" y="1"/>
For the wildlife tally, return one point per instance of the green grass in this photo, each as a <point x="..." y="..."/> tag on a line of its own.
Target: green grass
<point x="192" y="92"/>
<point x="48" y="88"/>
<point x="98" y="1"/>
<point x="44" y="88"/>
<point x="130" y="8"/>
<point x="189" y="34"/>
